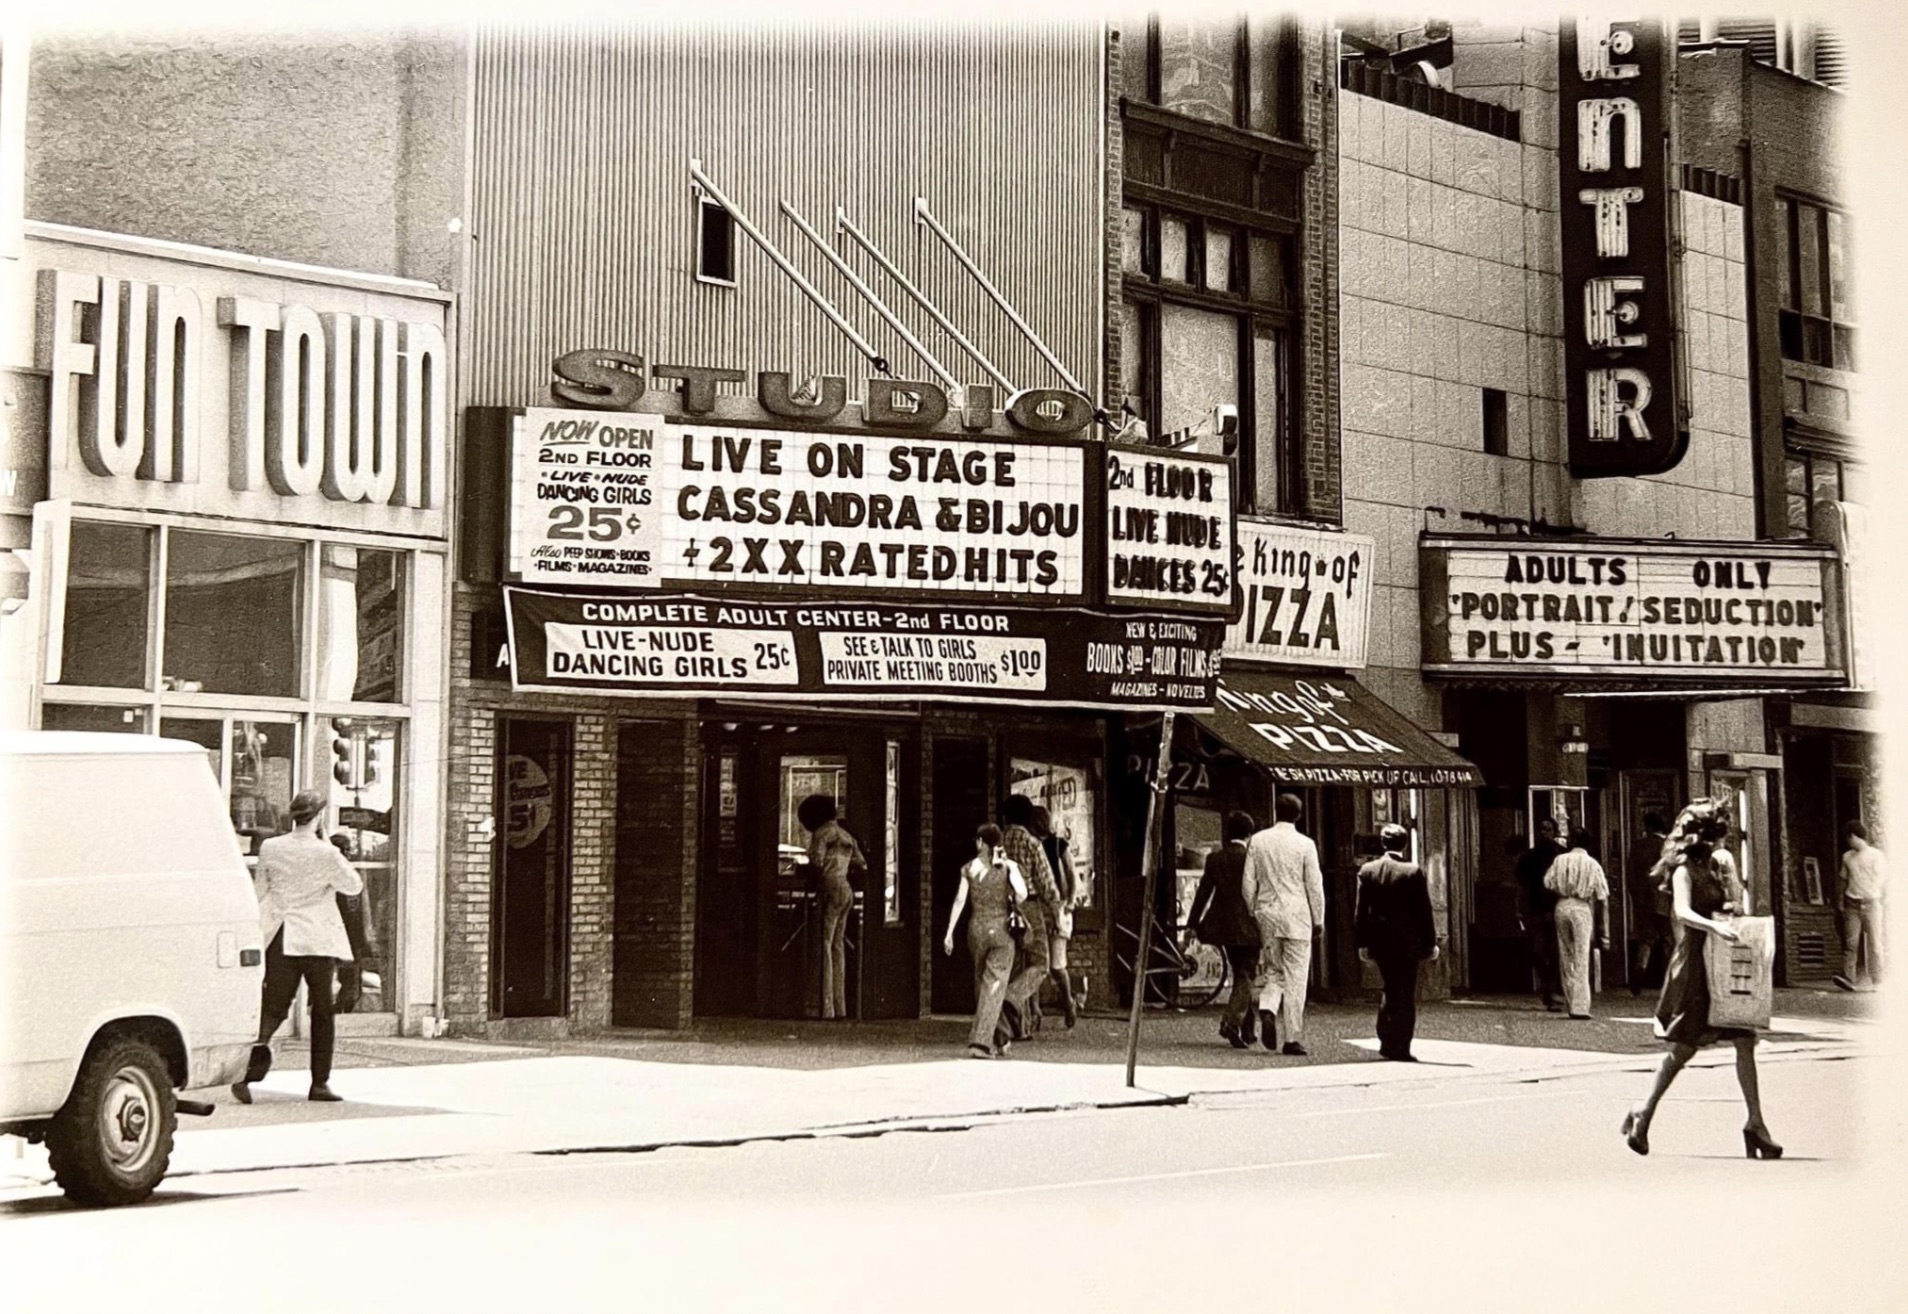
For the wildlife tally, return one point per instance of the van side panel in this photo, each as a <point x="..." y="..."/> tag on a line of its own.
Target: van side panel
<point x="125" y="895"/>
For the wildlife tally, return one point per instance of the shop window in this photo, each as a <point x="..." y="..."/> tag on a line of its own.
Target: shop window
<point x="364" y="757"/>
<point x="254" y="758"/>
<point x="234" y="613"/>
<point x="1815" y="322"/>
<point x="108" y="599"/>
<point x="100" y="720"/>
<point x="360" y="624"/>
<point x="715" y="243"/>
<point x="1068" y="794"/>
<point x="1496" y="422"/>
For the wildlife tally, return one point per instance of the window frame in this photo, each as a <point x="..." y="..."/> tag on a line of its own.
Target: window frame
<point x="1284" y="100"/>
<point x="704" y="204"/>
<point x="1804" y="336"/>
<point x="1257" y="318"/>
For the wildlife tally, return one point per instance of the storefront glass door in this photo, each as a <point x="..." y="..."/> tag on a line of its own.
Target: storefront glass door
<point x="530" y="902"/>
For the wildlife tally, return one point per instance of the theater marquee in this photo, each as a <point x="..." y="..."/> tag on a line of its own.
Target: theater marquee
<point x="1619" y="609"/>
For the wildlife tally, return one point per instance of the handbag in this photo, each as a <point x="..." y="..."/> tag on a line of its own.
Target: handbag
<point x="1016" y="920"/>
<point x="1741" y="974"/>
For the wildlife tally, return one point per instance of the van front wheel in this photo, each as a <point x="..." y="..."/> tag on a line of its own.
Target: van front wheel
<point x="112" y="1142"/>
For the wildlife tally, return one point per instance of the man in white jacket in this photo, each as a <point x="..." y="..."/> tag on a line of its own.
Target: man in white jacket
<point x="300" y="877"/>
<point x="1286" y="891"/>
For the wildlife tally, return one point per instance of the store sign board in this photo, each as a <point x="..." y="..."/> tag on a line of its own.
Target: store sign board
<point x="1170" y="530"/>
<point x="631" y="500"/>
<point x="664" y="645"/>
<point x="1749" y="613"/>
<point x="1620" y="391"/>
<point x="1307" y="597"/>
<point x="186" y="386"/>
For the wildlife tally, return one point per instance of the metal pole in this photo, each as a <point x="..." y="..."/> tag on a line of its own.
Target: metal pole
<point x="842" y="222"/>
<point x="854" y="280"/>
<point x="923" y="215"/>
<point x="768" y="249"/>
<point x="1154" y="820"/>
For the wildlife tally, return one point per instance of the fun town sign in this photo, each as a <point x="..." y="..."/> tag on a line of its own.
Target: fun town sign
<point x="174" y="386"/>
<point x="1621" y="405"/>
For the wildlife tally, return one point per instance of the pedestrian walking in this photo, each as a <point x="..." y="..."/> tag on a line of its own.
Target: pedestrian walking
<point x="991" y="887"/>
<point x="351" y="912"/>
<point x="1041" y="909"/>
<point x="1649" y="907"/>
<point x="1286" y="891"/>
<point x="300" y="877"/>
<point x="1537" y="916"/>
<point x="833" y="853"/>
<point x="1582" y="914"/>
<point x="1864" y="885"/>
<point x="1060" y="862"/>
<point x="1221" y="918"/>
<point x="1395" y="930"/>
<point x="1705" y="892"/>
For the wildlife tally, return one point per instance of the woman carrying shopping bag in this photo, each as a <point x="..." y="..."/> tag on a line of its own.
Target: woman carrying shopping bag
<point x="1710" y="902"/>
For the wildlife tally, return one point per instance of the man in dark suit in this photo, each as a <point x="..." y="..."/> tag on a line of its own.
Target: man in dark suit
<point x="1395" y="929"/>
<point x="1538" y="912"/>
<point x="1221" y="919"/>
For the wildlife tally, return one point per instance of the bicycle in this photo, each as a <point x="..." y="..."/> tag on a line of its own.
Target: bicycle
<point x="1199" y="971"/>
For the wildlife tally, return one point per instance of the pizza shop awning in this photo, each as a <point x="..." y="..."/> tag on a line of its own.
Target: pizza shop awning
<point x="1328" y="730"/>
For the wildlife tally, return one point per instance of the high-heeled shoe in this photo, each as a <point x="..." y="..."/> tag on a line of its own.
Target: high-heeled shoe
<point x="1636" y="1133"/>
<point x="1757" y="1145"/>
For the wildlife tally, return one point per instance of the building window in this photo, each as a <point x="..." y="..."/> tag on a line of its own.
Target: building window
<point x="1815" y="324"/>
<point x="1813" y="479"/>
<point x="1496" y="422"/>
<point x="234" y="614"/>
<point x="715" y="243"/>
<point x="1206" y="323"/>
<point x="1238" y="73"/>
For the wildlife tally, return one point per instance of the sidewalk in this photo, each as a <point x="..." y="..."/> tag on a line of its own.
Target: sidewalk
<point x="730" y="1082"/>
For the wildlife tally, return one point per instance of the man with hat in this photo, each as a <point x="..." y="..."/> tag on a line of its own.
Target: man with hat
<point x="1396" y="929"/>
<point x="300" y="877"/>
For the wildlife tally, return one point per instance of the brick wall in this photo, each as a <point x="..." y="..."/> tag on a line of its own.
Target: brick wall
<point x="657" y="837"/>
<point x="477" y="707"/>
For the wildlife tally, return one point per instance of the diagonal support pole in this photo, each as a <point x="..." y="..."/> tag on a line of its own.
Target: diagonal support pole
<point x="881" y="307"/>
<point x="822" y="303"/>
<point x="947" y="325"/>
<point x="923" y="215"/>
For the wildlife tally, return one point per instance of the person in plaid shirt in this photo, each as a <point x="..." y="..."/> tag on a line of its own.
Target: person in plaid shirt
<point x="1024" y="850"/>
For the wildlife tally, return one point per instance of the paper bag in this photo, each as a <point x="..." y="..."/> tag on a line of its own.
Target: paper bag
<point x="1741" y="974"/>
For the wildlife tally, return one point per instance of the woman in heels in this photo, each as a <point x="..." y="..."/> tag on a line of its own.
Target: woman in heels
<point x="1704" y="885"/>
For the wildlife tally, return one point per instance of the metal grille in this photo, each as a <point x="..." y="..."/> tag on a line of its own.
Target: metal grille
<point x="1811" y="951"/>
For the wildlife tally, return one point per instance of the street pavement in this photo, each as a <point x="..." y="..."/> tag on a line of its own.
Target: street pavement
<point x="729" y="1083"/>
<point x="856" y="1167"/>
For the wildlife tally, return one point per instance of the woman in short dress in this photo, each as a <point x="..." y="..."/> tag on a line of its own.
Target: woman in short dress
<point x="992" y="885"/>
<point x="1704" y="886"/>
<point x="834" y="853"/>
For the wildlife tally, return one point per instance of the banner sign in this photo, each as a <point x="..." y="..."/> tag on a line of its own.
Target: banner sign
<point x="627" y="499"/>
<point x="1620" y="384"/>
<point x="1307" y="597"/>
<point x="1169" y="531"/>
<point x="683" y="645"/>
<point x="1748" y="613"/>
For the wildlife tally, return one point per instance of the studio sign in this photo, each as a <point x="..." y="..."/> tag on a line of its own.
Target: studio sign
<point x="605" y="380"/>
<point x="1621" y="397"/>
<point x="341" y="406"/>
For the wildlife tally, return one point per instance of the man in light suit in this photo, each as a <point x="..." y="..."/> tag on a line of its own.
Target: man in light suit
<point x="1286" y="891"/>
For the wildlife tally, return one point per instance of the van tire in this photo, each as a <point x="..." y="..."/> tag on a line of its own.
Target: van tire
<point x="111" y="1143"/>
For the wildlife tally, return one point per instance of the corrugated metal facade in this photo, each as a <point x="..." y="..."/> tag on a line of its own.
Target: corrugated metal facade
<point x="584" y="214"/>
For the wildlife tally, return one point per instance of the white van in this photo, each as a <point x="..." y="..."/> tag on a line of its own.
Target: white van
<point x="130" y="954"/>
